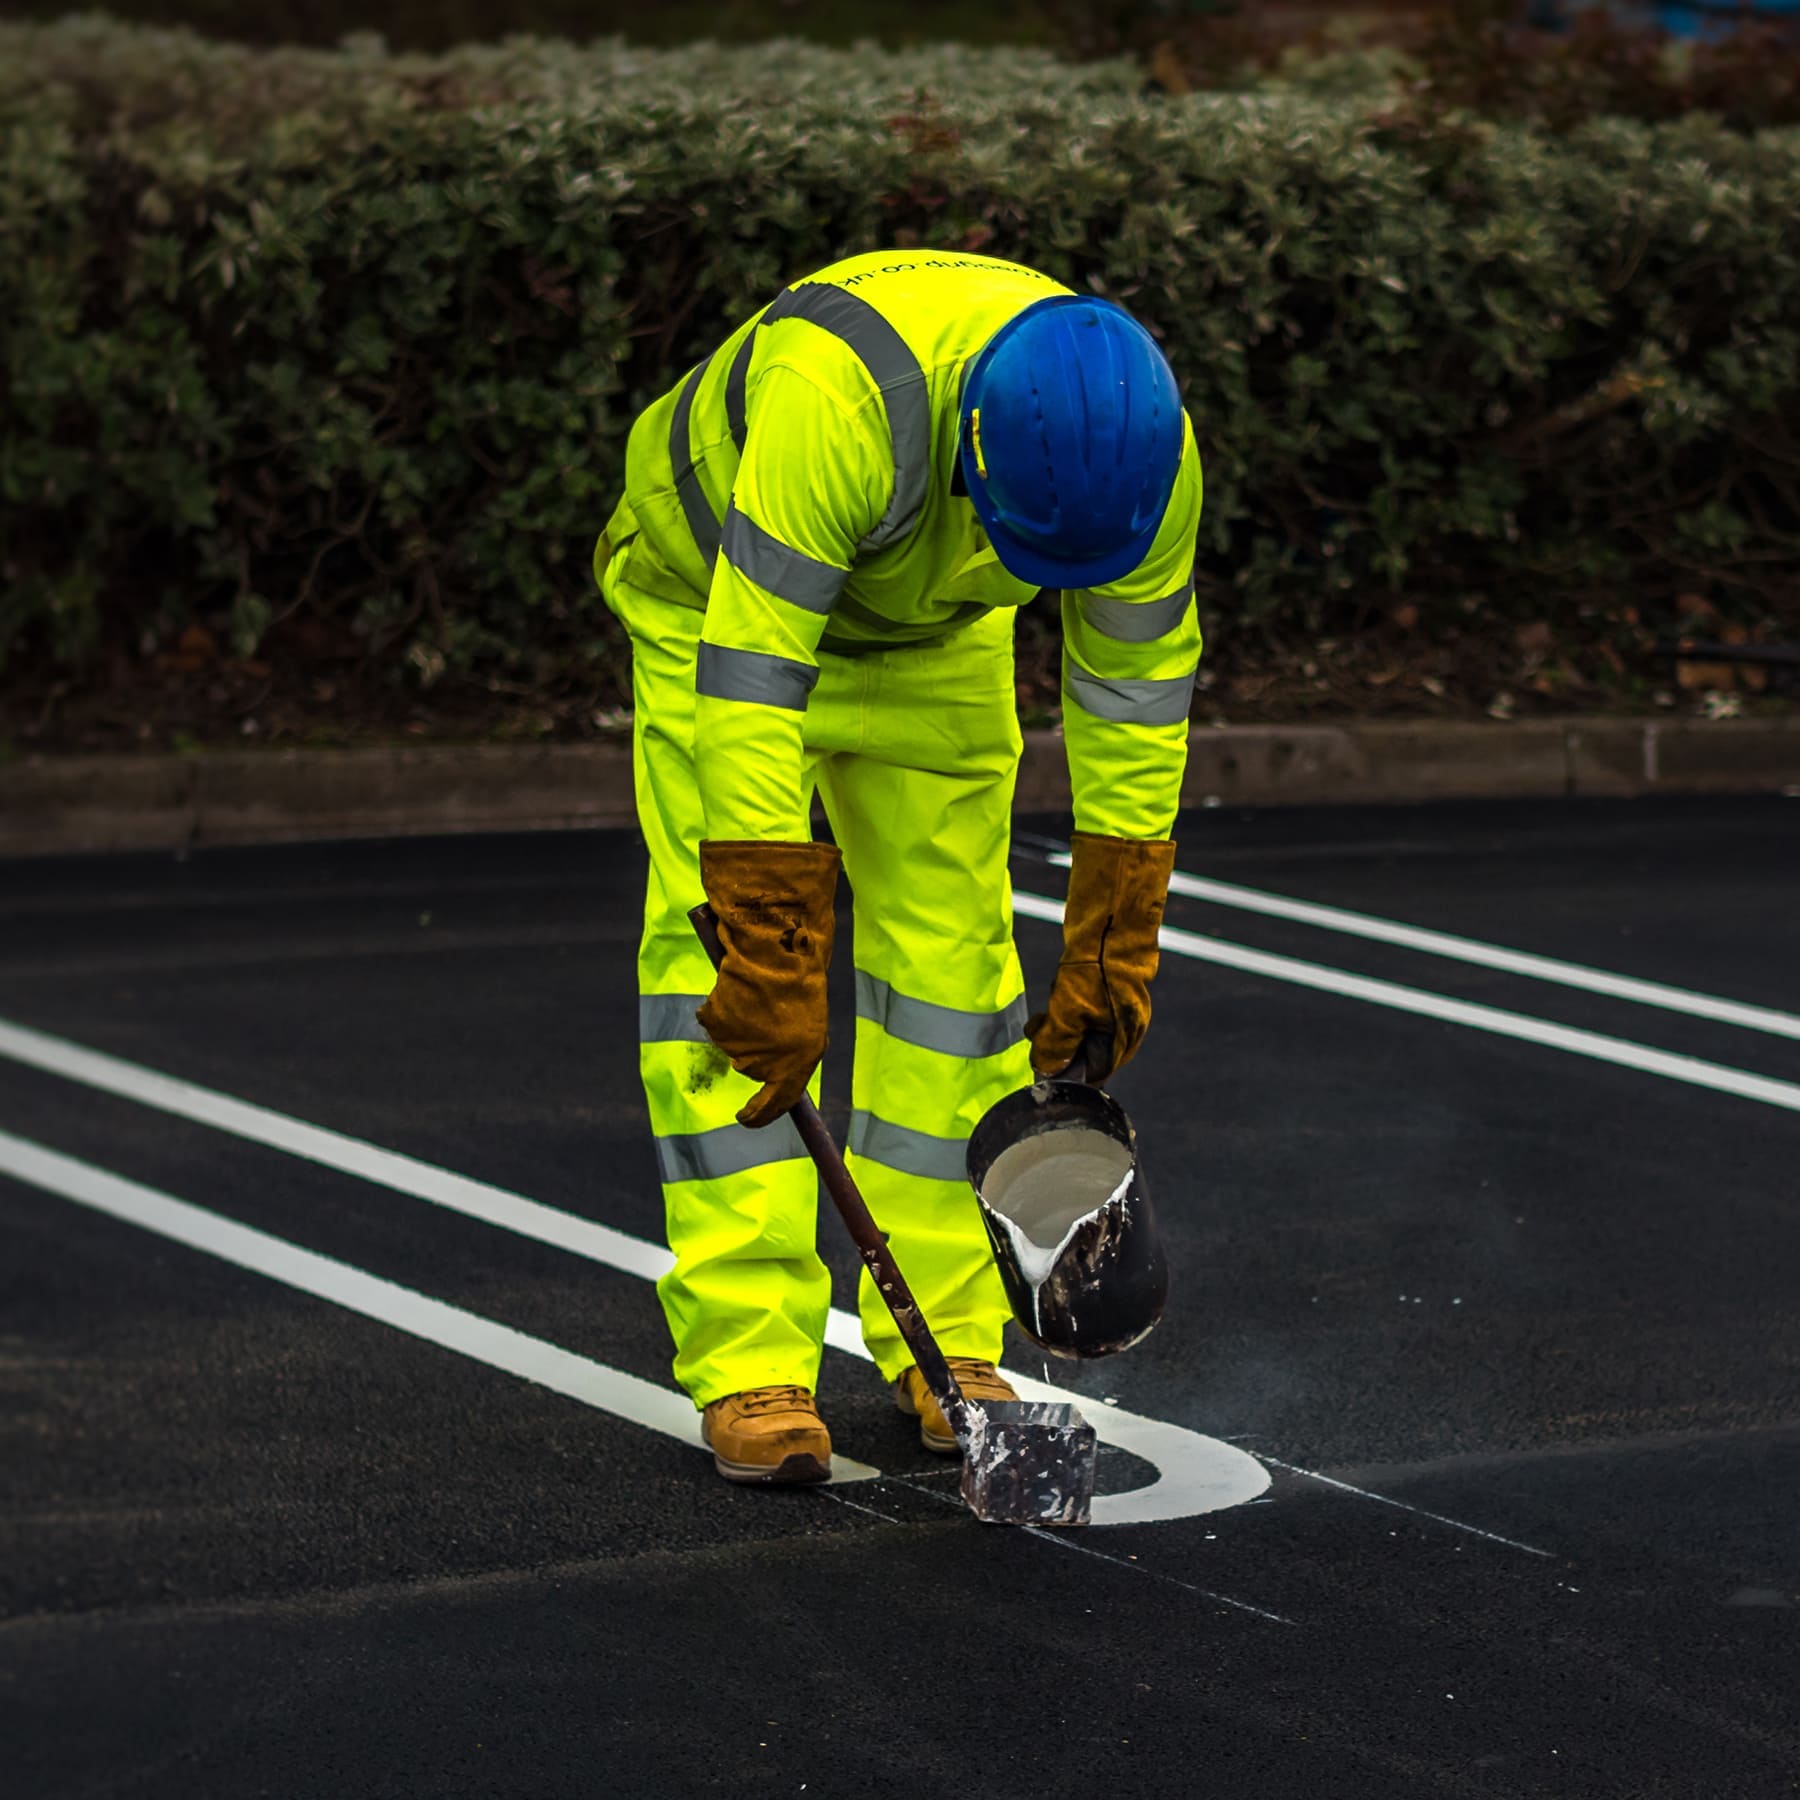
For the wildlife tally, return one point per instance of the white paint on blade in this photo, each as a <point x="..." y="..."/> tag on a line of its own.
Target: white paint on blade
<point x="1483" y="955"/>
<point x="1623" y="1052"/>
<point x="1195" y="1473"/>
<point x="418" y="1315"/>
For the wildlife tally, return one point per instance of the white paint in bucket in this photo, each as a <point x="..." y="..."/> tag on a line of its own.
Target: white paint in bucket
<point x="1045" y="1188"/>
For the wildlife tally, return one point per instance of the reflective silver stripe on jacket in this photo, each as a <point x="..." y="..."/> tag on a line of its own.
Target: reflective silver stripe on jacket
<point x="754" y="675"/>
<point x="669" y="1019"/>
<point x="911" y="1152"/>
<point x="895" y="370"/>
<point x="730" y="1150"/>
<point x="737" y="417"/>
<point x="1132" y="702"/>
<point x="1135" y="621"/>
<point x="694" y="504"/>
<point x="787" y="573"/>
<point x="948" y="1029"/>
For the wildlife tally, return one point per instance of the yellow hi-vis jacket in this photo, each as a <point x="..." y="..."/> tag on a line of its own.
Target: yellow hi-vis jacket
<point x="797" y="487"/>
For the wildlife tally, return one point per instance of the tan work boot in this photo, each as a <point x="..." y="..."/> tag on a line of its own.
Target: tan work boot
<point x="978" y="1380"/>
<point x="768" y="1434"/>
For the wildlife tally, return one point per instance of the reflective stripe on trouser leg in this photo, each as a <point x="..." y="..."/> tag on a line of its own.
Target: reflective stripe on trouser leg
<point x="921" y="802"/>
<point x="748" y="1296"/>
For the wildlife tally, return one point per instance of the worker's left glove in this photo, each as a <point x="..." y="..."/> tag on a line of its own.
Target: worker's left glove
<point x="1101" y="996"/>
<point x="767" y="1010"/>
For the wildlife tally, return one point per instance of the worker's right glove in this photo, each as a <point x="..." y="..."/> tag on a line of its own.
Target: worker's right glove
<point x="1117" y="887"/>
<point x="767" y="1010"/>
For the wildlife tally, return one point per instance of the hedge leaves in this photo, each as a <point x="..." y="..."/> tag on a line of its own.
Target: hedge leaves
<point x="356" y="340"/>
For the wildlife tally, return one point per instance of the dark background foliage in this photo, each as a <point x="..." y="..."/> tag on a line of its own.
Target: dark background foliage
<point x="318" y="366"/>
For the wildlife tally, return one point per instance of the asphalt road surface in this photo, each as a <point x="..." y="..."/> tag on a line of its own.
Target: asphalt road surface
<point x="338" y="1454"/>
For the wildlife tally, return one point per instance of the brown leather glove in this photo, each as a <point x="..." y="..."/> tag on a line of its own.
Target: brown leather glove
<point x="1117" y="887"/>
<point x="767" y="1011"/>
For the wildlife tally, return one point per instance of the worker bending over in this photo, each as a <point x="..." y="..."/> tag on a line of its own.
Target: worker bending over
<point x="825" y="530"/>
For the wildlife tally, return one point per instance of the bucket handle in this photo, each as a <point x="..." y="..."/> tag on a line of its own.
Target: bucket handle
<point x="1095" y="1053"/>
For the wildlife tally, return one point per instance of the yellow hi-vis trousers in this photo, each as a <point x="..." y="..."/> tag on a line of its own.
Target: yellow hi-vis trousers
<point x="914" y="753"/>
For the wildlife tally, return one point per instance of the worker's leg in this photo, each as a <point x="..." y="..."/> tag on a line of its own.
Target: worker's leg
<point x="748" y="1296"/>
<point x="922" y="808"/>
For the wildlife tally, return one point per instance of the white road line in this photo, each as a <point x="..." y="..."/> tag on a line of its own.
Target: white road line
<point x="1331" y="1481"/>
<point x="1623" y="1051"/>
<point x="1195" y="1473"/>
<point x="1068" y="1543"/>
<point x="828" y="1490"/>
<point x="1131" y="1566"/>
<point x="1484" y="955"/>
<point x="313" y="1143"/>
<point x="468" y="1334"/>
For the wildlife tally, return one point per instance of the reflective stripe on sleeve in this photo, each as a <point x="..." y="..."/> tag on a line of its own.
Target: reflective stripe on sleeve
<point x="669" y="1019"/>
<point x="778" y="568"/>
<point x="736" y="417"/>
<point x="911" y="1152"/>
<point x="753" y="675"/>
<point x="730" y="1150"/>
<point x="1132" y="702"/>
<point x="694" y="504"/>
<point x="1135" y="621"/>
<point x="895" y="370"/>
<point x="948" y="1029"/>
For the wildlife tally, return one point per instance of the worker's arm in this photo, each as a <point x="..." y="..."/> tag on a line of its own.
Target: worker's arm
<point x="1130" y="654"/>
<point x="811" y="483"/>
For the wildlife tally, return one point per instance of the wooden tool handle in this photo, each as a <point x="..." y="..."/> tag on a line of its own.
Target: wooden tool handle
<point x="860" y="1222"/>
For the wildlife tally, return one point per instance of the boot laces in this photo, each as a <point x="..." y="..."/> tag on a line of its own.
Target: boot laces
<point x="978" y="1379"/>
<point x="774" y="1399"/>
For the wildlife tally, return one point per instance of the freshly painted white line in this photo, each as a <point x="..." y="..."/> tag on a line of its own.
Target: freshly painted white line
<point x="828" y="1489"/>
<point x="1195" y="1473"/>
<point x="1623" y="1051"/>
<point x="1331" y="1481"/>
<point x="1131" y="1565"/>
<point x="531" y="1359"/>
<point x="1489" y="956"/>
<point x="1068" y="1543"/>
<point x="260" y="1125"/>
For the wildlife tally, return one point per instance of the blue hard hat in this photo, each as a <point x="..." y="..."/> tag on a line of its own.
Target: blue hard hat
<point x="1071" y="437"/>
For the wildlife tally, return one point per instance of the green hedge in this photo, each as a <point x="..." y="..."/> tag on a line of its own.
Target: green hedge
<point x="337" y="353"/>
<point x="440" y="24"/>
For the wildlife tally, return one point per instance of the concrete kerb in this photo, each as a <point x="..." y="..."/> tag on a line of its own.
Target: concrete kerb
<point x="54" y="805"/>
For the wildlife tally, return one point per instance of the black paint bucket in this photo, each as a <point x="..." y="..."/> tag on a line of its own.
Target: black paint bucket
<point x="1055" y="1168"/>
